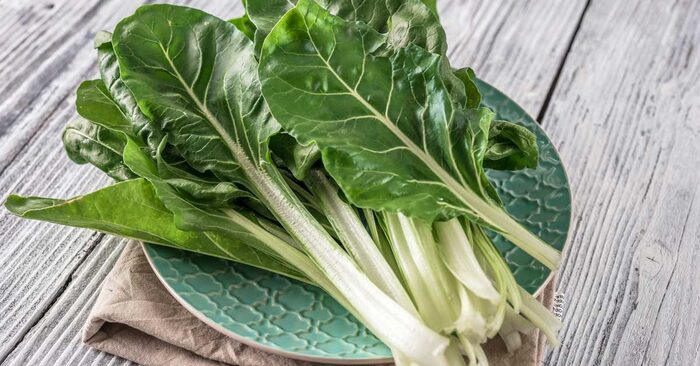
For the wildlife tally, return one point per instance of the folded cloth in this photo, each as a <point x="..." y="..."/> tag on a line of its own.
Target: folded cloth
<point x="136" y="318"/>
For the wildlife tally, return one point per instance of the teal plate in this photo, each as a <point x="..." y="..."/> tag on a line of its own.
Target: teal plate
<point x="297" y="320"/>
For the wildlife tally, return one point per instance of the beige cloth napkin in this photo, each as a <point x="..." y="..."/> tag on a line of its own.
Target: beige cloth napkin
<point x="136" y="318"/>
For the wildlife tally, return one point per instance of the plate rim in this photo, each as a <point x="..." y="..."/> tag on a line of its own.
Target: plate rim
<point x="360" y="361"/>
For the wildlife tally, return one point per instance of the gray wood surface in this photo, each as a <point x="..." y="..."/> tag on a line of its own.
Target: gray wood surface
<point x="56" y="338"/>
<point x="626" y="117"/>
<point x="616" y="85"/>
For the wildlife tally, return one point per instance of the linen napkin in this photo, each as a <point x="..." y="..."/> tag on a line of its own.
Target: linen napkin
<point x="136" y="318"/>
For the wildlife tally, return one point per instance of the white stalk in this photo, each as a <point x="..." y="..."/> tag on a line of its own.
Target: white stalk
<point x="356" y="240"/>
<point x="388" y="320"/>
<point x="429" y="282"/>
<point x="513" y="325"/>
<point x="542" y="318"/>
<point x="497" y="266"/>
<point x="458" y="255"/>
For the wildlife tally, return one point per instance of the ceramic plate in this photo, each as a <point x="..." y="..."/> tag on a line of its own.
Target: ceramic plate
<point x="287" y="317"/>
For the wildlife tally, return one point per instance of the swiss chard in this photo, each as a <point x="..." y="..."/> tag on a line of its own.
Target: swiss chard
<point x="194" y="76"/>
<point x="360" y="91"/>
<point x="366" y="112"/>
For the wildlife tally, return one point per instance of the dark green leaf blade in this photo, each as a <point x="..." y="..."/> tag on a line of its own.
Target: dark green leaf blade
<point x="324" y="85"/>
<point x="85" y="142"/>
<point x="404" y="21"/>
<point x="131" y="209"/>
<point x="265" y="14"/>
<point x="472" y="94"/>
<point x="194" y="75"/>
<point x="296" y="157"/>
<point x="94" y="103"/>
<point x="140" y="127"/>
<point x="244" y="25"/>
<point x="511" y="147"/>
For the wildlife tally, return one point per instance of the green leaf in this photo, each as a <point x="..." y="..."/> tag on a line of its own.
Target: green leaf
<point x="131" y="209"/>
<point x="477" y="123"/>
<point x="198" y="187"/>
<point x="94" y="103"/>
<point x="265" y="14"/>
<point x="194" y="75"/>
<point x="140" y="127"/>
<point x="511" y="147"/>
<point x="404" y="21"/>
<point x="296" y="157"/>
<point x="324" y="85"/>
<point x="89" y="143"/>
<point x="188" y="214"/>
<point x="472" y="94"/>
<point x="244" y="25"/>
<point x="387" y="128"/>
<point x="432" y="5"/>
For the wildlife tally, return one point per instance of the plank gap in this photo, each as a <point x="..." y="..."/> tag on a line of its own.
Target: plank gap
<point x="555" y="81"/>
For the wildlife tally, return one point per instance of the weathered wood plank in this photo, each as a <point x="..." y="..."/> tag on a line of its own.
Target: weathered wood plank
<point x="43" y="64"/>
<point x="46" y="54"/>
<point x="56" y="338"/>
<point x="626" y="117"/>
<point x="37" y="259"/>
<point x="515" y="45"/>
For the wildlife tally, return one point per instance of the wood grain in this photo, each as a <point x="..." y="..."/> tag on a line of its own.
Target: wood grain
<point x="517" y="46"/>
<point x="56" y="338"/>
<point x="626" y="117"/>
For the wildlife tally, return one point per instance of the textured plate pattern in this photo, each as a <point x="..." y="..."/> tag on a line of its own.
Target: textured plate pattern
<point x="265" y="308"/>
<point x="299" y="320"/>
<point x="538" y="198"/>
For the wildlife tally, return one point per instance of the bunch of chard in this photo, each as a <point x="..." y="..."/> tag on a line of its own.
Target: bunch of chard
<point x="327" y="141"/>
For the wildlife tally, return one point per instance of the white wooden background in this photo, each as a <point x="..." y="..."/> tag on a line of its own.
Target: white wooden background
<point x="616" y="84"/>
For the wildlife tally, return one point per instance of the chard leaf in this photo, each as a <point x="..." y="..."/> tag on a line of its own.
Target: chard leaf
<point x="388" y="130"/>
<point x="204" y="189"/>
<point x="89" y="143"/>
<point x="511" y="147"/>
<point x="194" y="75"/>
<point x="188" y="214"/>
<point x="140" y="127"/>
<point x="265" y="14"/>
<point x="244" y="25"/>
<point x="432" y="5"/>
<point x="132" y="209"/>
<point x="296" y="157"/>
<point x="95" y="102"/>
<point x="404" y="21"/>
<point x="365" y="112"/>
<point x="472" y="94"/>
<point x="477" y="123"/>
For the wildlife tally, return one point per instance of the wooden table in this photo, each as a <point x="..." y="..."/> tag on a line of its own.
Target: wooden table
<point x="616" y="84"/>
